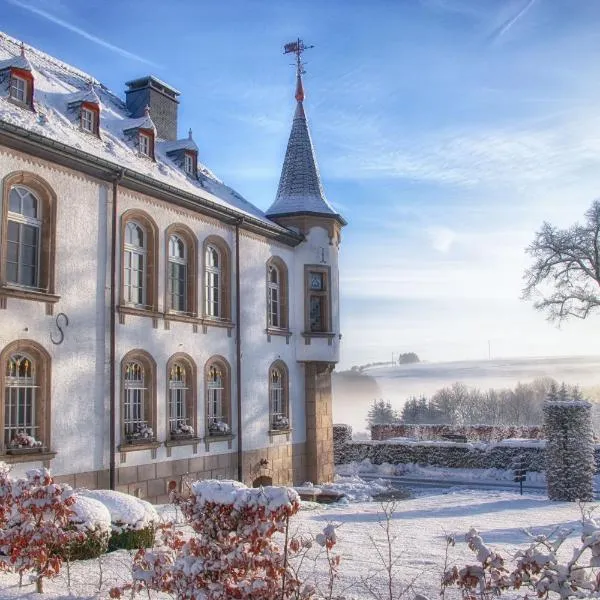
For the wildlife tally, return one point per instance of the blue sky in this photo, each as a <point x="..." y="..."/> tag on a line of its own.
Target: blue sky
<point x="446" y="131"/>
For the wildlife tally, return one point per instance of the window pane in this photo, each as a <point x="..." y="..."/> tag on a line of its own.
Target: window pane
<point x="29" y="234"/>
<point x="316" y="313"/>
<point x="14" y="201"/>
<point x="29" y="204"/>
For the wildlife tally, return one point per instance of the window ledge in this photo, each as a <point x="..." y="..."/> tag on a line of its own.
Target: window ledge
<point x="187" y="441"/>
<point x="215" y="322"/>
<point x="21" y="455"/>
<point x="212" y="438"/>
<point x="151" y="445"/>
<point x="328" y="335"/>
<point x="28" y="294"/>
<point x="279" y="332"/>
<point x="184" y="317"/>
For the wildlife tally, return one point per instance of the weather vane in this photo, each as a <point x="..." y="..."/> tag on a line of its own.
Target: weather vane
<point x="297" y="48"/>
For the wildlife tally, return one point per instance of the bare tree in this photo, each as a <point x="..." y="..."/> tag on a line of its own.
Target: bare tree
<point x="568" y="261"/>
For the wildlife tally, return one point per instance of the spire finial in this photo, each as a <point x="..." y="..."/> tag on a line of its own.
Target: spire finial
<point x="297" y="48"/>
<point x="22" y="49"/>
<point x="190" y="134"/>
<point x="147" y="110"/>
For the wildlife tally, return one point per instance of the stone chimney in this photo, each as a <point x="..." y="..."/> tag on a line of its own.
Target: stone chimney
<point x="162" y="100"/>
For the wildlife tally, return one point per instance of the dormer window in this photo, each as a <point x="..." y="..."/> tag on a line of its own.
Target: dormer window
<point x="88" y="120"/>
<point x="189" y="163"/>
<point x="145" y="144"/>
<point x="18" y="89"/>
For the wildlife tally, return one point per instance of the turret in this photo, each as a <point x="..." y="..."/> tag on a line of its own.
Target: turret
<point x="301" y="205"/>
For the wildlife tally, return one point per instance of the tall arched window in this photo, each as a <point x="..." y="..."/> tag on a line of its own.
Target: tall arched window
<point x="179" y="417"/>
<point x="20" y="397"/>
<point x="23" y="238"/>
<point x="213" y="276"/>
<point x="274" y="296"/>
<point x="218" y="408"/>
<point x="139" y="288"/>
<point x="277" y="293"/>
<point x="178" y="274"/>
<point x="27" y="233"/>
<point x="135" y="264"/>
<point x="138" y="397"/>
<point x="278" y="396"/>
<point x="216" y="279"/>
<point x="24" y="403"/>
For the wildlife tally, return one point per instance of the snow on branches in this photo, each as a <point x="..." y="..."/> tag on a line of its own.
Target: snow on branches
<point x="231" y="555"/>
<point x="35" y="524"/>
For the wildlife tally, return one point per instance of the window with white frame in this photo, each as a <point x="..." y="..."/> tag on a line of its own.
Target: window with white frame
<point x="88" y="120"/>
<point x="145" y="144"/>
<point x="20" y="398"/>
<point x="213" y="274"/>
<point x="18" y="89"/>
<point x="217" y="400"/>
<point x="278" y="396"/>
<point x="188" y="163"/>
<point x="135" y="391"/>
<point x="179" y="419"/>
<point x="135" y="264"/>
<point x="178" y="274"/>
<point x="274" y="297"/>
<point x="23" y="237"/>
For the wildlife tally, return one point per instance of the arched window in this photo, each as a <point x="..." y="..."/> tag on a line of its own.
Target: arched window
<point x="24" y="404"/>
<point x="213" y="278"/>
<point x="218" y="408"/>
<point x="216" y="279"/>
<point x="27" y="235"/>
<point x="139" y="282"/>
<point x="23" y="238"/>
<point x="274" y="296"/>
<point x="277" y="293"/>
<point x="278" y="396"/>
<point x="135" y="265"/>
<point x="181" y="382"/>
<point x="178" y="274"/>
<point x="137" y="399"/>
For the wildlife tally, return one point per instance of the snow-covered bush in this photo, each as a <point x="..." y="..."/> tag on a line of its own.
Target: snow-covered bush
<point x="219" y="428"/>
<point x="280" y="422"/>
<point x="539" y="568"/>
<point x="92" y="519"/>
<point x="570" y="461"/>
<point x="231" y="555"/>
<point x="35" y="524"/>
<point x="133" y="521"/>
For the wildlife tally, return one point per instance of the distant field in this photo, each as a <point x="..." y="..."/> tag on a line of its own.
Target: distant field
<point x="396" y="384"/>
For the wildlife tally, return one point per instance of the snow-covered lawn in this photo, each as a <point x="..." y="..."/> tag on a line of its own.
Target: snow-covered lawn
<point x="419" y="523"/>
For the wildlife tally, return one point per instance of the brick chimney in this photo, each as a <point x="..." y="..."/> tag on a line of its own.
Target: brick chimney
<point x="162" y="100"/>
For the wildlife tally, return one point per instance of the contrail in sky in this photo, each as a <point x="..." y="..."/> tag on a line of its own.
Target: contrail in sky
<point x="510" y="22"/>
<point x="81" y="32"/>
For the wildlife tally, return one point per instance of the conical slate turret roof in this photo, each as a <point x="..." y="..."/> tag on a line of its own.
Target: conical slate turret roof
<point x="300" y="190"/>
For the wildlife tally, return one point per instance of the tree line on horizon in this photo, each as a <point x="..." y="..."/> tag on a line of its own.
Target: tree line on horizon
<point x="460" y="405"/>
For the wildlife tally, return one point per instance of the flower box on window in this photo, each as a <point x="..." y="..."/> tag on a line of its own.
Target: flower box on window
<point x="142" y="435"/>
<point x="280" y="422"/>
<point x="24" y="444"/>
<point x="182" y="432"/>
<point x="219" y="428"/>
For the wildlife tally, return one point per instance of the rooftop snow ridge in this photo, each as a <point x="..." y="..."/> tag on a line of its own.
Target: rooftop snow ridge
<point x="58" y="86"/>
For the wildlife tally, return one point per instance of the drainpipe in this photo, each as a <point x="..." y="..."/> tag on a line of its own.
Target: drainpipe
<point x="112" y="334"/>
<point x="238" y="366"/>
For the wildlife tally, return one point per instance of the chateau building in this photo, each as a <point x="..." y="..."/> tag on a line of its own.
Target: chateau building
<point x="154" y="324"/>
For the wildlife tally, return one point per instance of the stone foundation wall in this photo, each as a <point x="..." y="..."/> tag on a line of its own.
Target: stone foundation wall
<point x="283" y="465"/>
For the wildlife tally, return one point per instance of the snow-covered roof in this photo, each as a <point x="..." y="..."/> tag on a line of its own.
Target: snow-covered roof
<point x="144" y="122"/>
<point x="58" y="85"/>
<point x="15" y="62"/>
<point x="300" y="189"/>
<point x="183" y="144"/>
<point x="88" y="95"/>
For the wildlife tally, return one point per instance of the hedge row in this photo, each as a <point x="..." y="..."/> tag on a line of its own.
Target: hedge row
<point x="447" y="454"/>
<point x="475" y="433"/>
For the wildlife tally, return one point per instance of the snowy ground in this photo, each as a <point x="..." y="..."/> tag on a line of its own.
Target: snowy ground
<point x="420" y="525"/>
